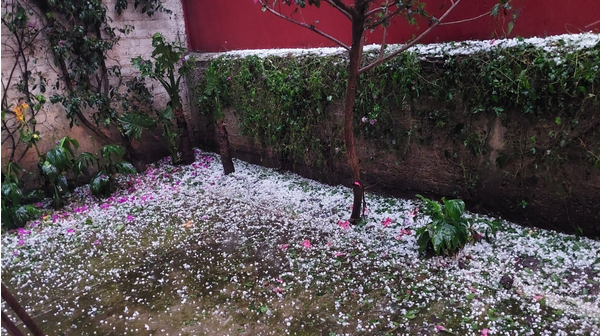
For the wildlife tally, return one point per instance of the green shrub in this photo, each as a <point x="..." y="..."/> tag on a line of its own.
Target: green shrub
<point x="59" y="161"/>
<point x="14" y="212"/>
<point x="449" y="229"/>
<point x="110" y="163"/>
<point x="56" y="163"/>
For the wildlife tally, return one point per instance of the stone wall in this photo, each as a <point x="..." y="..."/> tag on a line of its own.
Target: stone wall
<point x="52" y="121"/>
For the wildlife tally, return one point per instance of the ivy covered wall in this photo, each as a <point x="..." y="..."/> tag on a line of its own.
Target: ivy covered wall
<point x="513" y="131"/>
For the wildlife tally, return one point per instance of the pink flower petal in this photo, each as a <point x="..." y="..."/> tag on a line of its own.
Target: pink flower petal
<point x="440" y="328"/>
<point x="306" y="243"/>
<point x="285" y="246"/>
<point x="485" y="332"/>
<point x="344" y="225"/>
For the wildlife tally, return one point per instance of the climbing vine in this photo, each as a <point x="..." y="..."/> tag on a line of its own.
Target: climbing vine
<point x="286" y="103"/>
<point x="283" y="103"/>
<point x="19" y="114"/>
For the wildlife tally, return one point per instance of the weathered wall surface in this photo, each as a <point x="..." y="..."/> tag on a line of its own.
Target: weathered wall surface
<point x="52" y="121"/>
<point x="565" y="198"/>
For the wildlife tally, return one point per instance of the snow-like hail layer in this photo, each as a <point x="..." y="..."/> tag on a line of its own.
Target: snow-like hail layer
<point x="550" y="43"/>
<point x="57" y="260"/>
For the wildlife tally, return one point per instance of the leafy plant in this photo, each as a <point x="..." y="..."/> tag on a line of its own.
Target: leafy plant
<point x="80" y="36"/>
<point x="449" y="229"/>
<point x="283" y="103"/>
<point x="134" y="123"/>
<point x="168" y="67"/>
<point x="147" y="6"/>
<point x="211" y="98"/>
<point x="14" y="212"/>
<point x="56" y="163"/>
<point x="110" y="163"/>
<point x="366" y="15"/>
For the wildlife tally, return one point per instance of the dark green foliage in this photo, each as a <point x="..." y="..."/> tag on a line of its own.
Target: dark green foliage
<point x="168" y="67"/>
<point x="448" y="230"/>
<point x="284" y="103"/>
<point x="100" y="185"/>
<point x="82" y="163"/>
<point x="523" y="77"/>
<point x="56" y="163"/>
<point x="147" y="6"/>
<point x="80" y="36"/>
<point x="14" y="212"/>
<point x="110" y="163"/>
<point x="213" y="90"/>
<point x="134" y="123"/>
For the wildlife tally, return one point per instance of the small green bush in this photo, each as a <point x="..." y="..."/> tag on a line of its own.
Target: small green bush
<point x="110" y="163"/>
<point x="449" y="229"/>
<point x="14" y="212"/>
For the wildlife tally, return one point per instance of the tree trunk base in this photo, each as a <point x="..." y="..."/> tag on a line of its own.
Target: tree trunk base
<point x="183" y="142"/>
<point x="358" y="202"/>
<point x="224" y="148"/>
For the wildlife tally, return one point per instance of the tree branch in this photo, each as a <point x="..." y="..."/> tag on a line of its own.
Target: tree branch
<point x="302" y="24"/>
<point x="337" y="4"/>
<point x="375" y="11"/>
<point x="385" y="18"/>
<point x="382" y="50"/>
<point x="413" y="42"/>
<point x="592" y="24"/>
<point x="465" y="20"/>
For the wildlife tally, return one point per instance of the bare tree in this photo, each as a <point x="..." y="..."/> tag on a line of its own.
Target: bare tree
<point x="367" y="15"/>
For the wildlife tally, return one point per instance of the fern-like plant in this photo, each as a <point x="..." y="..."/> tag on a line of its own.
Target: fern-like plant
<point x="449" y="230"/>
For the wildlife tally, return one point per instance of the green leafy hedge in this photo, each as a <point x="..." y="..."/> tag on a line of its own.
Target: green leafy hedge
<point x="284" y="103"/>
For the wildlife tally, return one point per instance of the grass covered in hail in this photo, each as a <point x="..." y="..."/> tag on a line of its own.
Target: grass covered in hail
<point x="189" y="251"/>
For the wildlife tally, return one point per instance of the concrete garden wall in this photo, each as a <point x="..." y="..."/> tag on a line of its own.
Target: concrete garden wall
<point x="538" y="168"/>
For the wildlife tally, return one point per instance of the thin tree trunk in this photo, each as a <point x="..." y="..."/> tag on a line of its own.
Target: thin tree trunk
<point x="183" y="140"/>
<point x="353" y="68"/>
<point x="224" y="147"/>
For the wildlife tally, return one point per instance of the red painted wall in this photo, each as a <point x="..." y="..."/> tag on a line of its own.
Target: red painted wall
<point x="222" y="25"/>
